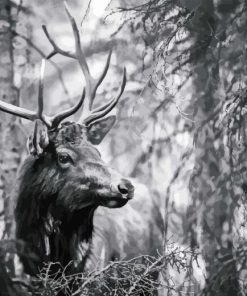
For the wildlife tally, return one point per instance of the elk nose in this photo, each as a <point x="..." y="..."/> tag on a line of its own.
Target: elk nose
<point x="126" y="188"/>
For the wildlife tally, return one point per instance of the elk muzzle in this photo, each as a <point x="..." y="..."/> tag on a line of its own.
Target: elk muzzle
<point x="124" y="191"/>
<point x="126" y="188"/>
<point x="119" y="192"/>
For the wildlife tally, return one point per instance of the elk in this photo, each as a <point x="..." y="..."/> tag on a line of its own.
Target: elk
<point x="63" y="182"/>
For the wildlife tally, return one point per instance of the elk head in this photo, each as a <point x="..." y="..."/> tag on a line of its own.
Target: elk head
<point x="64" y="179"/>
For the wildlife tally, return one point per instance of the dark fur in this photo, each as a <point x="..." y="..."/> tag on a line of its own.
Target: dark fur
<point x="53" y="206"/>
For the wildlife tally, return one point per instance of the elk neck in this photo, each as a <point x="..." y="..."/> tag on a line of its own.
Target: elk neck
<point x="51" y="233"/>
<point x="70" y="236"/>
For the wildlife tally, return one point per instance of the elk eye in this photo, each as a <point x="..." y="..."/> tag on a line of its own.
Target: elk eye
<point x="64" y="158"/>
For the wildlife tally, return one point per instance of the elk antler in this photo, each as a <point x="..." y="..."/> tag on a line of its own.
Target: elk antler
<point x="50" y="121"/>
<point x="88" y="115"/>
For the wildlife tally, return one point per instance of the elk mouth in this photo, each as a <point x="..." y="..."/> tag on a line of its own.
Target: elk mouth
<point x="114" y="203"/>
<point x="113" y="196"/>
<point x="117" y="201"/>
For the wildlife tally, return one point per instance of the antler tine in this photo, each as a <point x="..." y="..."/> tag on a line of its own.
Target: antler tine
<point x="41" y="89"/>
<point x="91" y="83"/>
<point x="40" y="114"/>
<point x="64" y="114"/>
<point x="105" y="70"/>
<point x="102" y="111"/>
<point x="56" y="48"/>
<point x="54" y="121"/>
<point x="25" y="113"/>
<point x="82" y="61"/>
<point x="18" y="111"/>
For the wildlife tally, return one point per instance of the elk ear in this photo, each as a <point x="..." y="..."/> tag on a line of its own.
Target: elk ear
<point x="39" y="140"/>
<point x="97" y="130"/>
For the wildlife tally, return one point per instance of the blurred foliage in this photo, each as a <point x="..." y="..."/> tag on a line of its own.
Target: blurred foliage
<point x="199" y="53"/>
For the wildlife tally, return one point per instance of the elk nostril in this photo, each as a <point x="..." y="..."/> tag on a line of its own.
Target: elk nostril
<point x="123" y="189"/>
<point x="126" y="188"/>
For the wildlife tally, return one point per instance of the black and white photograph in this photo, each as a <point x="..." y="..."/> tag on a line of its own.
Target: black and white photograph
<point x="123" y="148"/>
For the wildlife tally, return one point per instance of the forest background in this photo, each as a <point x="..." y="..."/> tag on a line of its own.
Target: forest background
<point x="181" y="121"/>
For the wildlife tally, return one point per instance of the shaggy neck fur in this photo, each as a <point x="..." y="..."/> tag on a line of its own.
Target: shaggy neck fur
<point x="50" y="233"/>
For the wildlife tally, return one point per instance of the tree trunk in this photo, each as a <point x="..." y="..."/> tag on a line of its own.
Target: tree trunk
<point x="9" y="144"/>
<point x="209" y="182"/>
